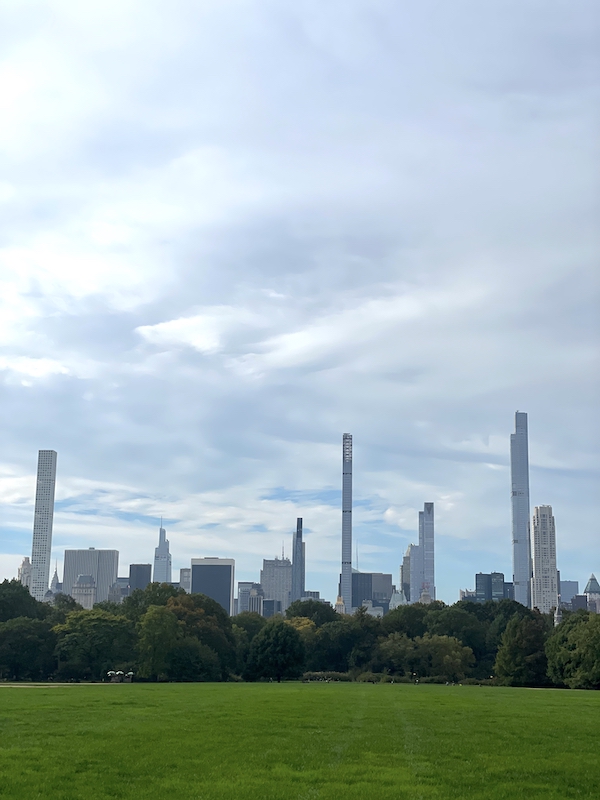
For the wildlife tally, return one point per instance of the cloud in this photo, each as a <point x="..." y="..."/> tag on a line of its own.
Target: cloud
<point x="231" y="232"/>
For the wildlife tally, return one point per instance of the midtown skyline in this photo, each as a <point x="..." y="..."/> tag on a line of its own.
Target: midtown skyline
<point x="519" y="479"/>
<point x="227" y="238"/>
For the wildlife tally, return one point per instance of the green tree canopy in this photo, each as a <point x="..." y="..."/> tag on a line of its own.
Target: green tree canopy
<point x="16" y="601"/>
<point x="573" y="652"/>
<point x="26" y="649"/>
<point x="457" y="622"/>
<point x="204" y="618"/>
<point x="190" y="660"/>
<point x="318" y="612"/>
<point x="521" y="659"/>
<point x="276" y="652"/>
<point x="251" y="622"/>
<point x="158" y="633"/>
<point x="409" y="620"/>
<point x="92" y="642"/>
<point x="140" y="600"/>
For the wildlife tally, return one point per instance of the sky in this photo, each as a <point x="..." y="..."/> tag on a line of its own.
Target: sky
<point x="232" y="231"/>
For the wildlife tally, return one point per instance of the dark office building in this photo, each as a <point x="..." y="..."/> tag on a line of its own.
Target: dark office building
<point x="374" y="586"/>
<point x="491" y="586"/>
<point x="509" y="591"/>
<point x="271" y="607"/>
<point x="214" y="577"/>
<point x="140" y="576"/>
<point x="579" y="602"/>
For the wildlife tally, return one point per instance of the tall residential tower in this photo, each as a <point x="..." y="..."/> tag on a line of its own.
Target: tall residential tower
<point x="519" y="473"/>
<point x="42" y="523"/>
<point x="298" y="568"/>
<point x="346" y="582"/>
<point x="544" y="584"/>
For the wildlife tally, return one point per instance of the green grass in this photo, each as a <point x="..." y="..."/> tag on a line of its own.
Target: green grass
<point x="297" y="742"/>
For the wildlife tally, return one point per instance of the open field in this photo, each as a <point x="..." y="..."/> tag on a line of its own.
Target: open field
<point x="297" y="742"/>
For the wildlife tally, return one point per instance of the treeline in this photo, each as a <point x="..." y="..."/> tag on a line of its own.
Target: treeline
<point x="162" y="633"/>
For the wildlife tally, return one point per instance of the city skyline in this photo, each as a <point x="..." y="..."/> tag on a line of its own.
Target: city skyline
<point x="415" y="579"/>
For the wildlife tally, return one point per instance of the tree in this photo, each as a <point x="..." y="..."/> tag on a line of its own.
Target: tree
<point x="92" y="642"/>
<point x="26" y="649"/>
<point x="521" y="659"/>
<point x="409" y="620"/>
<point x="190" y="660"/>
<point x="158" y="633"/>
<point x="428" y="656"/>
<point x="251" y="622"/>
<point x="573" y="652"/>
<point x="140" y="600"/>
<point x="207" y="620"/>
<point x="318" y="612"/>
<point x="62" y="606"/>
<point x="16" y="601"/>
<point x="333" y="644"/>
<point x="456" y="622"/>
<point x="276" y="652"/>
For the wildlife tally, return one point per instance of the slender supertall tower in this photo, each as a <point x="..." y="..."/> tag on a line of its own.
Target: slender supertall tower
<point x="298" y="563"/>
<point x="42" y="523"/>
<point x="346" y="584"/>
<point x="519" y="472"/>
<point x="162" y="558"/>
<point x="426" y="542"/>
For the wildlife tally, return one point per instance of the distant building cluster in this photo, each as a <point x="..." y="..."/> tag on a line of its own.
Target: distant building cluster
<point x="90" y="576"/>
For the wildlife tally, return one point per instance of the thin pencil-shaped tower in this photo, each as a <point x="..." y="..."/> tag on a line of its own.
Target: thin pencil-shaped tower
<point x="521" y="540"/>
<point x="42" y="523"/>
<point x="298" y="563"/>
<point x="346" y="584"/>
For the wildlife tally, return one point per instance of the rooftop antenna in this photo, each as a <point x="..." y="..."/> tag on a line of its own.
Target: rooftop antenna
<point x="282" y="550"/>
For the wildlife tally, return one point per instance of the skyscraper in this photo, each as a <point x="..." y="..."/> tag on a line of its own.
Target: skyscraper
<point x="426" y="542"/>
<point x="298" y="567"/>
<point x="42" y="523"/>
<point x="346" y="582"/>
<point x="519" y="473"/>
<point x="276" y="580"/>
<point x="162" y="558"/>
<point x="140" y="576"/>
<point x="417" y="574"/>
<point x="24" y="573"/>
<point x="214" y="577"/>
<point x="544" y="584"/>
<point x="100" y="565"/>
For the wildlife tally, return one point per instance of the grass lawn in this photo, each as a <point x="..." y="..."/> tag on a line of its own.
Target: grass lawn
<point x="297" y="742"/>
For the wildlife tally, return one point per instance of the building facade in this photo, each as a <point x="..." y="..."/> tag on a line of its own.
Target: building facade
<point x="42" y="523"/>
<point x="24" y="573"/>
<point x="102" y="565"/>
<point x="276" y="581"/>
<point x="521" y="541"/>
<point x="346" y="582"/>
<point x="215" y="578"/>
<point x="84" y="591"/>
<point x="544" y="583"/>
<point x="298" y="565"/>
<point x="140" y="576"/>
<point x="426" y="542"/>
<point x="185" y="579"/>
<point x="162" y="558"/>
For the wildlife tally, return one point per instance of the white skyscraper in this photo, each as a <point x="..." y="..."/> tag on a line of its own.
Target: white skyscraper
<point x="346" y="578"/>
<point x="162" y="558"/>
<point x="276" y="580"/>
<point x="519" y="472"/>
<point x="42" y="523"/>
<point x="544" y="584"/>
<point x="101" y="565"/>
